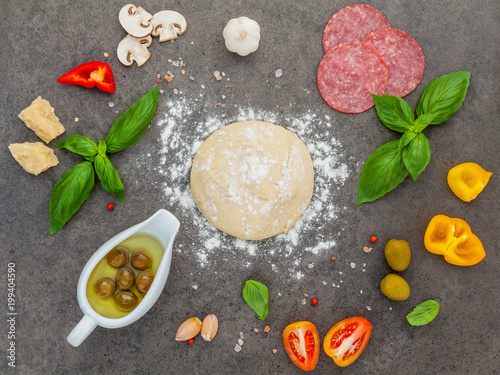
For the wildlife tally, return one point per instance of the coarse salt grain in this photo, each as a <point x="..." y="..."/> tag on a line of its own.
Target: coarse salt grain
<point x="353" y="265"/>
<point x="256" y="330"/>
<point x="240" y="342"/>
<point x="111" y="104"/>
<point x="275" y="351"/>
<point x="367" y="249"/>
<point x="303" y="301"/>
<point x="278" y="73"/>
<point x="369" y="308"/>
<point x="237" y="348"/>
<point x="267" y="329"/>
<point x="242" y="336"/>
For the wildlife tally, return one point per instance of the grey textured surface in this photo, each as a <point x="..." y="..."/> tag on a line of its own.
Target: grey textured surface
<point x="42" y="40"/>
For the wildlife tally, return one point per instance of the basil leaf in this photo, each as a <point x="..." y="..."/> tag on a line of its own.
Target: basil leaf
<point x="131" y="124"/>
<point x="256" y="296"/>
<point x="406" y="138"/>
<point x="102" y="148"/>
<point x="394" y="112"/>
<point x="110" y="180"/>
<point x="69" y="193"/>
<point x="417" y="154"/>
<point x="422" y="121"/>
<point x="423" y="313"/>
<point x="443" y="96"/>
<point x="382" y="172"/>
<point x="80" y="145"/>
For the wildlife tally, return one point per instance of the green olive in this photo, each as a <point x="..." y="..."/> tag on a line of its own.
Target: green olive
<point x="395" y="287"/>
<point x="105" y="287"/>
<point x="143" y="281"/>
<point x="398" y="254"/>
<point x="125" y="278"/>
<point x="125" y="300"/>
<point x="118" y="257"/>
<point x="141" y="260"/>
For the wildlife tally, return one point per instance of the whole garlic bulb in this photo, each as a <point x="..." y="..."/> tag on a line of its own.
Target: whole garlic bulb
<point x="242" y="35"/>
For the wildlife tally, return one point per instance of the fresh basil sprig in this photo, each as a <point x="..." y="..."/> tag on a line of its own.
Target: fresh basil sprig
<point x="75" y="186"/>
<point x="389" y="164"/>
<point x="423" y="313"/>
<point x="257" y="296"/>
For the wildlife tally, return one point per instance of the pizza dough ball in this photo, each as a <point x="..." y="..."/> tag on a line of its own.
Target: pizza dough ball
<point x="252" y="179"/>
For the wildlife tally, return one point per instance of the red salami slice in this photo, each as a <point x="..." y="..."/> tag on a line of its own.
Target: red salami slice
<point x="352" y="24"/>
<point x="349" y="74"/>
<point x="403" y="56"/>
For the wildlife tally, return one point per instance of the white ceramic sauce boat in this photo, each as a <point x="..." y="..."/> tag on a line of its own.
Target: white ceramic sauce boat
<point x="162" y="225"/>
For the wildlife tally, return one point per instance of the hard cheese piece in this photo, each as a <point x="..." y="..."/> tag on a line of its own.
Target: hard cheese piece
<point x="33" y="157"/>
<point x="40" y="118"/>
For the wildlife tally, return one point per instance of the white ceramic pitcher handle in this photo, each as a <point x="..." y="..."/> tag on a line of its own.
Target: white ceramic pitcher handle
<point x="82" y="330"/>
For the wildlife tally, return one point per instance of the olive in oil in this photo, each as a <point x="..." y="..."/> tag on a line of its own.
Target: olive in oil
<point x="140" y="241"/>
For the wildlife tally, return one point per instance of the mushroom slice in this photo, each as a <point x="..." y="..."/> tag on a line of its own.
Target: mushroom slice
<point x="135" y="21"/>
<point x="133" y="49"/>
<point x="168" y="24"/>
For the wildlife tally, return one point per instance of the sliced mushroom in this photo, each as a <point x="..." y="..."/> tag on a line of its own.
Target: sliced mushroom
<point x="135" y="21"/>
<point x="133" y="49"/>
<point x="168" y="24"/>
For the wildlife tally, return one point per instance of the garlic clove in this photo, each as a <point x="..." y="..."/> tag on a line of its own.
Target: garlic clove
<point x="209" y="327"/>
<point x="188" y="329"/>
<point x="242" y="35"/>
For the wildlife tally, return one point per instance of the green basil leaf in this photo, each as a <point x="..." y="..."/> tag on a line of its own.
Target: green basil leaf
<point x="417" y="154"/>
<point x="443" y="96"/>
<point x="394" y="112"/>
<point x="80" y="145"/>
<point x="131" y="124"/>
<point x="256" y="296"/>
<point x="422" y="121"/>
<point x="69" y="193"/>
<point x="406" y="138"/>
<point x="382" y="172"/>
<point x="423" y="313"/>
<point x="110" y="180"/>
<point x="102" y="148"/>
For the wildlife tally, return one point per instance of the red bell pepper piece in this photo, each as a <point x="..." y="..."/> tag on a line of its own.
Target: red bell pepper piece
<point x="90" y="74"/>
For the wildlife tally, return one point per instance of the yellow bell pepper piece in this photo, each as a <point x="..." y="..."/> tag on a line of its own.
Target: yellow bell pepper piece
<point x="453" y="238"/>
<point x="467" y="180"/>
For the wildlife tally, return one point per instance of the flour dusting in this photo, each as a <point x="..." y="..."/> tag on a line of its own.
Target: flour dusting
<point x="181" y="136"/>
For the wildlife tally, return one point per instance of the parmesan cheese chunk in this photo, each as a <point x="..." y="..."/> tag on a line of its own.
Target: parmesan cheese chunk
<point x="33" y="157"/>
<point x="40" y="118"/>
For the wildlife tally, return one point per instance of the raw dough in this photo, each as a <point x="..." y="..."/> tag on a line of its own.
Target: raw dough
<point x="252" y="179"/>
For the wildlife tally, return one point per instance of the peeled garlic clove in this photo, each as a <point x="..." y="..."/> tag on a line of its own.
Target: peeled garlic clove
<point x="209" y="327"/>
<point x="242" y="35"/>
<point x="188" y="329"/>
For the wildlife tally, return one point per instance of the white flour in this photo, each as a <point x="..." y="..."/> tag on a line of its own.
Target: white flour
<point x="182" y="135"/>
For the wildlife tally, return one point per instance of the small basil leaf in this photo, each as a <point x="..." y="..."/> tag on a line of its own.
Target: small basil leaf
<point x="417" y="154"/>
<point x="443" y="96"/>
<point x="382" y="172"/>
<point x="394" y="112"/>
<point x="422" y="121"/>
<point x="80" y="145"/>
<point x="110" y="180"/>
<point x="129" y="127"/>
<point x="256" y="296"/>
<point x="406" y="138"/>
<point x="69" y="193"/>
<point x="102" y="148"/>
<point x="423" y="313"/>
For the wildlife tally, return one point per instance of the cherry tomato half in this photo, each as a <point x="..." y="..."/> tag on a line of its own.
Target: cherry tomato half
<point x="347" y="339"/>
<point x="301" y="342"/>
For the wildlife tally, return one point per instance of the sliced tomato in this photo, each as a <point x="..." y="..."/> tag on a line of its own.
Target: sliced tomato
<point x="347" y="339"/>
<point x="301" y="342"/>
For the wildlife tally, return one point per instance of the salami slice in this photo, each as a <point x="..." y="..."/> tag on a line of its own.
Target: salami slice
<point x="352" y="24"/>
<point x="403" y="56"/>
<point x="349" y="74"/>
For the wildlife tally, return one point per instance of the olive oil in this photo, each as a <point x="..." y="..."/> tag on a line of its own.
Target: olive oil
<point x="107" y="307"/>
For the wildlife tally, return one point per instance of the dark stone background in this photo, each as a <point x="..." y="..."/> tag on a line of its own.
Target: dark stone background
<point x="42" y="40"/>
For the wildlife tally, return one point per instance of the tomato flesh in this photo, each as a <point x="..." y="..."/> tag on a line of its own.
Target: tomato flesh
<point x="301" y="342"/>
<point x="347" y="339"/>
